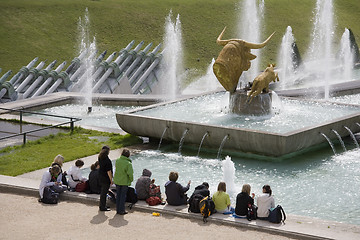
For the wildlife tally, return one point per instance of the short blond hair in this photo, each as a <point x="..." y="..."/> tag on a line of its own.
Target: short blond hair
<point x="246" y="188"/>
<point x="59" y="159"/>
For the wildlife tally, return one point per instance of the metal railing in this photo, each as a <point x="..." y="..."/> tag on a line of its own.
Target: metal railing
<point x="71" y="121"/>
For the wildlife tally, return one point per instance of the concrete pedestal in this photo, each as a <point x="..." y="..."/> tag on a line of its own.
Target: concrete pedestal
<point x="260" y="105"/>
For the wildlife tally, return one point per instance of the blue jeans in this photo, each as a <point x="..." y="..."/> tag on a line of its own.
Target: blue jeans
<point x="121" y="192"/>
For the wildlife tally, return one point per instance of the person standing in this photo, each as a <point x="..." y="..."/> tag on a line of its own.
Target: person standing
<point x="122" y="178"/>
<point x="105" y="176"/>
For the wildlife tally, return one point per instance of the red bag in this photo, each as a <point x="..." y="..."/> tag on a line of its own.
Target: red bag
<point x="154" y="191"/>
<point x="152" y="201"/>
<point x="82" y="186"/>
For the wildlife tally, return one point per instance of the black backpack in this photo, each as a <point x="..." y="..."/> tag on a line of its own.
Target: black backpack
<point x="207" y="207"/>
<point x="277" y="215"/>
<point x="194" y="203"/>
<point x="50" y="196"/>
<point x="131" y="196"/>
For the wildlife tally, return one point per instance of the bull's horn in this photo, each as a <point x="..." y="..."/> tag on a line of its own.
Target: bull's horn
<point x="257" y="46"/>
<point x="222" y="42"/>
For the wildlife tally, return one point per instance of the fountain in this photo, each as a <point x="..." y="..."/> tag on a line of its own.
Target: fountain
<point x="172" y="63"/>
<point x="249" y="121"/>
<point x="346" y="56"/>
<point x="249" y="25"/>
<point x="204" y="125"/>
<point x="286" y="57"/>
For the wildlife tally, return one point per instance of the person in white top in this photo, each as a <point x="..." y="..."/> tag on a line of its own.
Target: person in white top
<point x="49" y="180"/>
<point x="74" y="174"/>
<point x="265" y="201"/>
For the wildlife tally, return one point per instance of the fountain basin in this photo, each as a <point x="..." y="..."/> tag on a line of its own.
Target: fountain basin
<point x="250" y="135"/>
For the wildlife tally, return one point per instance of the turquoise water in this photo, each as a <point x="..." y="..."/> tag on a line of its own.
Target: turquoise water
<point x="101" y="115"/>
<point x="211" y="109"/>
<point x="316" y="184"/>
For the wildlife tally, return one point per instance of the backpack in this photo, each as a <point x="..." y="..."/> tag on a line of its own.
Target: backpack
<point x="50" y="196"/>
<point x="252" y="212"/>
<point x="277" y="215"/>
<point x="154" y="191"/>
<point x="207" y="207"/>
<point x="131" y="196"/>
<point x="194" y="203"/>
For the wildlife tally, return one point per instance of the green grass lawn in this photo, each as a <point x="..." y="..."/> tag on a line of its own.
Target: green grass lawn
<point x="48" y="29"/>
<point x="40" y="153"/>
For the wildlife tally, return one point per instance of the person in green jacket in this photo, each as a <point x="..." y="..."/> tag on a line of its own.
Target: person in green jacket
<point x="122" y="178"/>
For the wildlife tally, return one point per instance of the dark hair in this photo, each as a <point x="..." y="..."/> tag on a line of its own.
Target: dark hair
<point x="267" y="189"/>
<point x="79" y="163"/>
<point x="105" y="150"/>
<point x="206" y="185"/>
<point x="94" y="166"/>
<point x="125" y="152"/>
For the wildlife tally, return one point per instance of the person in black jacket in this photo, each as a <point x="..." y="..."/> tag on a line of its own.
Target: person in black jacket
<point x="199" y="193"/>
<point x="175" y="193"/>
<point x="94" y="181"/>
<point x="243" y="199"/>
<point x="202" y="189"/>
<point x="105" y="176"/>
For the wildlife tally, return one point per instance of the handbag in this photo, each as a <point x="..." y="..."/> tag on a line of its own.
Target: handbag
<point x="252" y="212"/>
<point x="82" y="186"/>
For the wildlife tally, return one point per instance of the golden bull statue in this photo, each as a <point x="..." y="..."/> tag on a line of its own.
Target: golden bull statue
<point x="233" y="59"/>
<point x="261" y="82"/>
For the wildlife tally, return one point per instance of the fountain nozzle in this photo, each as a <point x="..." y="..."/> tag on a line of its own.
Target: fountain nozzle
<point x="89" y="109"/>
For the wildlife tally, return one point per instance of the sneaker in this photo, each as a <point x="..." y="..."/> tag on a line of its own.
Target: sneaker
<point x="104" y="209"/>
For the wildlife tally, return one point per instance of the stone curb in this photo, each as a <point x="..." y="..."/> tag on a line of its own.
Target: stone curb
<point x="143" y="206"/>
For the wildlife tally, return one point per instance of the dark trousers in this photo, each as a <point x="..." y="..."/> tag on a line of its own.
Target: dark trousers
<point x="121" y="192"/>
<point x="104" y="190"/>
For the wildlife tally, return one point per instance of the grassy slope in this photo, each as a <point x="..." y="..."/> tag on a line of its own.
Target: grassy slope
<point x="40" y="153"/>
<point x="48" y="29"/>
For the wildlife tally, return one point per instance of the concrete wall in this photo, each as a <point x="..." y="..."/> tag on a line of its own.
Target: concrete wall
<point x="258" y="142"/>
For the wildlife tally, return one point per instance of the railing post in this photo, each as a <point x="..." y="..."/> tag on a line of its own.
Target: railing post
<point x="71" y="124"/>
<point x="21" y="121"/>
<point x="24" y="139"/>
